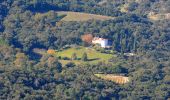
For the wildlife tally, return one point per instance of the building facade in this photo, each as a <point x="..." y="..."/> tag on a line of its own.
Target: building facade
<point x="101" y="41"/>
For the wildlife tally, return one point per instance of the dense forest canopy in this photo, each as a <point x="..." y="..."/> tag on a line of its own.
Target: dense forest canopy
<point x="29" y="24"/>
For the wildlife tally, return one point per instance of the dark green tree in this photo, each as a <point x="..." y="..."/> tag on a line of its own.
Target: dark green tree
<point x="74" y="56"/>
<point x="84" y="57"/>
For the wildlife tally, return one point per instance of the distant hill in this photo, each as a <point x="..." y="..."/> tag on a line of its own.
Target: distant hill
<point x="78" y="16"/>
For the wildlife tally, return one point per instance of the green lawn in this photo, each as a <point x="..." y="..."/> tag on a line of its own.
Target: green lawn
<point x="93" y="55"/>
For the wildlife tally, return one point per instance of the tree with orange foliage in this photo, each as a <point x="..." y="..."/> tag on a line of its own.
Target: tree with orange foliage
<point x="51" y="51"/>
<point x="87" y="38"/>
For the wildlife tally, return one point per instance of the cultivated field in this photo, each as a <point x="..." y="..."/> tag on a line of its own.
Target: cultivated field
<point x="154" y="16"/>
<point x="115" y="78"/>
<point x="78" y="16"/>
<point x="93" y="55"/>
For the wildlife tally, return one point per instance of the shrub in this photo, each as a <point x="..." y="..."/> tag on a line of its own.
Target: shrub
<point x="70" y="64"/>
<point x="59" y="57"/>
<point x="66" y="58"/>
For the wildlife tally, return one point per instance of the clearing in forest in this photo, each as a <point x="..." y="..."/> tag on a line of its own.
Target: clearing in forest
<point x="78" y="16"/>
<point x="93" y="55"/>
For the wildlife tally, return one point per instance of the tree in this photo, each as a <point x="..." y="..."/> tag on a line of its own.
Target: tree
<point x="74" y="56"/>
<point x="51" y="52"/>
<point x="84" y="57"/>
<point x="54" y="64"/>
<point x="21" y="60"/>
<point x="87" y="38"/>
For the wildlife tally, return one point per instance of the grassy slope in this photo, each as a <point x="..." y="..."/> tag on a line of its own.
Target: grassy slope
<point x="93" y="55"/>
<point x="77" y="16"/>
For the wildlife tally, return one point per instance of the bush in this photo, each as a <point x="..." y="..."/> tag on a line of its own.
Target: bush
<point x="59" y="58"/>
<point x="78" y="58"/>
<point x="70" y="64"/>
<point x="102" y="50"/>
<point x="66" y="58"/>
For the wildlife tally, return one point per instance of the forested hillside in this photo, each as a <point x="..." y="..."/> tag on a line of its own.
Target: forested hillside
<point x="30" y="25"/>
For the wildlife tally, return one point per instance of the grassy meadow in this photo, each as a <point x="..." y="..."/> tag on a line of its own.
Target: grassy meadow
<point x="93" y="55"/>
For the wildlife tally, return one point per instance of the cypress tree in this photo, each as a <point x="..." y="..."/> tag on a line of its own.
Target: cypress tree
<point x="84" y="57"/>
<point x="74" y="56"/>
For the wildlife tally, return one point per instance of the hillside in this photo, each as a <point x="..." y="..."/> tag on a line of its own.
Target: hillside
<point x="78" y="16"/>
<point x="54" y="50"/>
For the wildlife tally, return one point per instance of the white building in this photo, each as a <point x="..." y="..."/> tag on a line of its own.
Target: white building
<point x="103" y="42"/>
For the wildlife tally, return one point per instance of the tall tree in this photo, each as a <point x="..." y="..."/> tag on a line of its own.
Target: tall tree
<point x="84" y="57"/>
<point x="87" y="38"/>
<point x="74" y="56"/>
